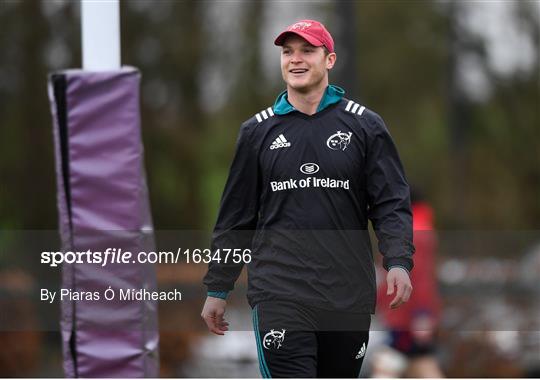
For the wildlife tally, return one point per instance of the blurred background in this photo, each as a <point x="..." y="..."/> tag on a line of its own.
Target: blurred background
<point x="457" y="83"/>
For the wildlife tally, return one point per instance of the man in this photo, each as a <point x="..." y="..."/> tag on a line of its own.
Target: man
<point x="307" y="175"/>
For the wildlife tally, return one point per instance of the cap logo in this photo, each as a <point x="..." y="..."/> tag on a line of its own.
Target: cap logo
<point x="301" y="25"/>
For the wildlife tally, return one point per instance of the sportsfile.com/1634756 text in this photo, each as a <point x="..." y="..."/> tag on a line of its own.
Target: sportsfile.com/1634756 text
<point x="119" y="256"/>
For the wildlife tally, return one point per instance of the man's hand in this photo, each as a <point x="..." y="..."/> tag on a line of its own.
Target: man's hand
<point x="212" y="313"/>
<point x="400" y="278"/>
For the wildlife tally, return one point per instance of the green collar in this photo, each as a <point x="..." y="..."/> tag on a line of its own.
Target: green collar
<point x="332" y="95"/>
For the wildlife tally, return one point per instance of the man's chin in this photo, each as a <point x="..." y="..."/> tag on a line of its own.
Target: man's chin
<point x="300" y="87"/>
<point x="304" y="86"/>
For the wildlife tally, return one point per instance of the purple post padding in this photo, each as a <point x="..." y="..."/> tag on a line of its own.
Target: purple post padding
<point x="103" y="203"/>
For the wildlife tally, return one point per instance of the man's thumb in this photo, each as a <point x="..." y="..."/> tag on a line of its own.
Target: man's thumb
<point x="390" y="287"/>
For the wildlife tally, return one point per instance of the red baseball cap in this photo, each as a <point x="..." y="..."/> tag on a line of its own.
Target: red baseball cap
<point x="312" y="31"/>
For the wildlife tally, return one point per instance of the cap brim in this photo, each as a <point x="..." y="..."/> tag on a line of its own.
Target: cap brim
<point x="281" y="38"/>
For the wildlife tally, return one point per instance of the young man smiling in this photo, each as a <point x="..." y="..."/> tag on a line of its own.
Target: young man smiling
<point x="307" y="176"/>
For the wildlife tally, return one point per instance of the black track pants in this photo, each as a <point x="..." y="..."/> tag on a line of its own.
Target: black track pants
<point x="297" y="341"/>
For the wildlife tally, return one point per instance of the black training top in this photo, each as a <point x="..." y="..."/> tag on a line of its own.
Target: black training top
<point x="299" y="194"/>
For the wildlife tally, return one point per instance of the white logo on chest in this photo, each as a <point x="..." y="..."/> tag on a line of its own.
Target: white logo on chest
<point x="309" y="168"/>
<point x="280" y="142"/>
<point x="339" y="140"/>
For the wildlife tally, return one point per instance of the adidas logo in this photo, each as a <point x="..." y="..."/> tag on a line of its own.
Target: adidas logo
<point x="280" y="142"/>
<point x="362" y="352"/>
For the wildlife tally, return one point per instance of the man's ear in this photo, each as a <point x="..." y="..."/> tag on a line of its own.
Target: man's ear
<point x="330" y="60"/>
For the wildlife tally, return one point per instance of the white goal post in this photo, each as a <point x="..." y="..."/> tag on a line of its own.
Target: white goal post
<point x="100" y="24"/>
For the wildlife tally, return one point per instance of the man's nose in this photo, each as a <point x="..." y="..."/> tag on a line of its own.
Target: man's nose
<point x="296" y="57"/>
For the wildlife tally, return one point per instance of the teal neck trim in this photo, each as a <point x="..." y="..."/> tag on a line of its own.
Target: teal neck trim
<point x="282" y="105"/>
<point x="332" y="95"/>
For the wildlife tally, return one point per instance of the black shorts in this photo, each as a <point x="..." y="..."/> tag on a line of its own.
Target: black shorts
<point x="299" y="341"/>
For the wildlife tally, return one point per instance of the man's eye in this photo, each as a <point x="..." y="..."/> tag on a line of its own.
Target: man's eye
<point x="308" y="50"/>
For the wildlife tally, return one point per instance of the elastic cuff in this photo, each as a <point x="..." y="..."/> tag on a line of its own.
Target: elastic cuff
<point x="222" y="295"/>
<point x="404" y="262"/>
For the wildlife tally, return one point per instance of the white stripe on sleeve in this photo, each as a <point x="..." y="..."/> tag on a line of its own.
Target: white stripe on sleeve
<point x="349" y="105"/>
<point x="264" y="114"/>
<point x="259" y="119"/>
<point x="361" y="110"/>
<point x="355" y="107"/>
<point x="270" y="112"/>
